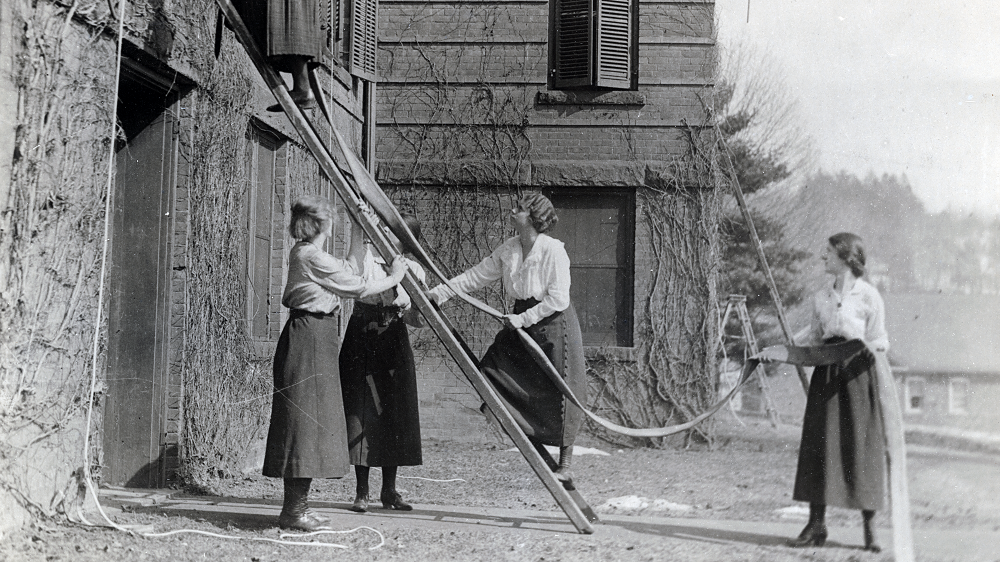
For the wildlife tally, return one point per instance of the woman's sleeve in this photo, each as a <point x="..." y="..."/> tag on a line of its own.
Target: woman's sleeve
<point x="335" y="275"/>
<point x="556" y="297"/>
<point x="815" y="334"/>
<point x="875" y="333"/>
<point x="417" y="270"/>
<point x="477" y="277"/>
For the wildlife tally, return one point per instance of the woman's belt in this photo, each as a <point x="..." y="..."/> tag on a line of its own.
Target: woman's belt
<point x="521" y="305"/>
<point x="297" y="312"/>
<point x="378" y="313"/>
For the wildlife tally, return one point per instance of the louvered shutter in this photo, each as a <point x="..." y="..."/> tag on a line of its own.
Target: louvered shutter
<point x="574" y="26"/>
<point x="614" y="44"/>
<point x="363" y="38"/>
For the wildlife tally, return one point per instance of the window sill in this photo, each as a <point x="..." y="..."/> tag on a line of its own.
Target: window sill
<point x="608" y="353"/>
<point x="560" y="97"/>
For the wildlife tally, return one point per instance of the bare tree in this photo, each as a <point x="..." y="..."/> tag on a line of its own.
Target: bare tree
<point x="759" y="120"/>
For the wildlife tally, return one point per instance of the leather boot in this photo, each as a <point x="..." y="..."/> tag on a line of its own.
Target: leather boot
<point x="360" y="504"/>
<point x="565" y="460"/>
<point x="389" y="496"/>
<point x="295" y="512"/>
<point x="868" y="524"/>
<point x="815" y="532"/>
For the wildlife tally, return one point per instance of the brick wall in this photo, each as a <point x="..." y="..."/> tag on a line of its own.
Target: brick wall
<point x="450" y="66"/>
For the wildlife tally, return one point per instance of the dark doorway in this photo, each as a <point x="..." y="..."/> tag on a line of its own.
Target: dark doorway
<point x="139" y="279"/>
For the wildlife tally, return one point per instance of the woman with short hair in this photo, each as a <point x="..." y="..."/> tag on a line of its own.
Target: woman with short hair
<point x="307" y="437"/>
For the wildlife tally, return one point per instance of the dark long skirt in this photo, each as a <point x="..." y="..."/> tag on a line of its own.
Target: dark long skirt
<point x="842" y="455"/>
<point x="533" y="400"/>
<point x="307" y="438"/>
<point x="379" y="382"/>
<point x="286" y="27"/>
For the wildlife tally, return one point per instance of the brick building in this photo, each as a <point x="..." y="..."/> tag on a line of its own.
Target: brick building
<point x="198" y="178"/>
<point x="474" y="102"/>
<point x="945" y="350"/>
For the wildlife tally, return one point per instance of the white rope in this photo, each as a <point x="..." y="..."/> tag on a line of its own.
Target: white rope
<point x="104" y="268"/>
<point x="433" y="479"/>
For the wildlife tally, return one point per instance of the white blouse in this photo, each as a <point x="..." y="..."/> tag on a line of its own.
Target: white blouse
<point x="374" y="270"/>
<point x="860" y="314"/>
<point x="543" y="275"/>
<point x="317" y="281"/>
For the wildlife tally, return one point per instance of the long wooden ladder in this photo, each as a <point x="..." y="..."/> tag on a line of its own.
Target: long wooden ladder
<point x="565" y="494"/>
<point x="738" y="304"/>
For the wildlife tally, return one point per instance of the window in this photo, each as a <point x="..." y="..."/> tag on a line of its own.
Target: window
<point x="361" y="22"/>
<point x="594" y="43"/>
<point x="915" y="392"/>
<point x="958" y="396"/>
<point x="596" y="227"/>
<point x="262" y="148"/>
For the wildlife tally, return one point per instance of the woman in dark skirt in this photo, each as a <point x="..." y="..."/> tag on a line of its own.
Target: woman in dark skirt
<point x="379" y="382"/>
<point x="535" y="269"/>
<point x="291" y="34"/>
<point x="842" y="455"/>
<point x="307" y="438"/>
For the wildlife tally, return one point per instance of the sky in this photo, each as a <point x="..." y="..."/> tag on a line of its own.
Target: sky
<point x="890" y="86"/>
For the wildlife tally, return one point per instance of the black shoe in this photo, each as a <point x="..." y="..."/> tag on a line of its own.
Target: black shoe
<point x="564" y="476"/>
<point x="392" y="500"/>
<point x="870" y="544"/>
<point x="810" y="536"/>
<point x="303" y="103"/>
<point x="307" y="522"/>
<point x="360" y="504"/>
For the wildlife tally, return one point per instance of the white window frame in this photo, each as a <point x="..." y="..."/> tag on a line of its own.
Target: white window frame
<point x="908" y="405"/>
<point x="952" y="407"/>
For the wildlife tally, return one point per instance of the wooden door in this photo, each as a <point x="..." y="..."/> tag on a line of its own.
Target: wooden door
<point x="137" y="313"/>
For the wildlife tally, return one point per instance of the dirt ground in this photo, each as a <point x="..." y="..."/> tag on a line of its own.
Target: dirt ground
<point x="747" y="476"/>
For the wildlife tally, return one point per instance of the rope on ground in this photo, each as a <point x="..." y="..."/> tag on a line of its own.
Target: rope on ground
<point x="433" y="479"/>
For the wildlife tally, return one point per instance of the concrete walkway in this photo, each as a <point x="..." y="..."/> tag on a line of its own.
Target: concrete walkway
<point x="930" y="544"/>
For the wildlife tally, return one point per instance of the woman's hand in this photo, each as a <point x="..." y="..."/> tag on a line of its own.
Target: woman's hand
<point x="773" y="353"/>
<point x="512" y="321"/>
<point x="398" y="268"/>
<point x="402" y="300"/>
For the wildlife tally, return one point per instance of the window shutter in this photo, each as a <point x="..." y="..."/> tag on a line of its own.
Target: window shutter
<point x="363" y="38"/>
<point x="574" y="27"/>
<point x="614" y="44"/>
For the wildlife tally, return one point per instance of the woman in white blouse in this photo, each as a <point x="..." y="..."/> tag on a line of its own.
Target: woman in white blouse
<point x="842" y="454"/>
<point x="307" y="437"/>
<point x="534" y="269"/>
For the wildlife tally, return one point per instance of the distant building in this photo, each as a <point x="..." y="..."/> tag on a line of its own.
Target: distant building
<point x="945" y="350"/>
